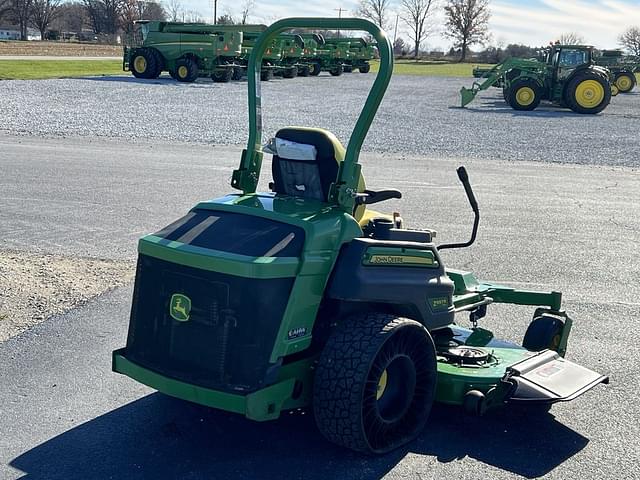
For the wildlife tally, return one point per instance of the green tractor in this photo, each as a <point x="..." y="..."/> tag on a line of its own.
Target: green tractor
<point x="567" y="77"/>
<point x="310" y="55"/>
<point x="186" y="50"/>
<point x="623" y="67"/>
<point x="258" y="303"/>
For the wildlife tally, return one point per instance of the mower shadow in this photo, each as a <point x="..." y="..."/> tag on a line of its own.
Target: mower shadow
<point x="161" y="437"/>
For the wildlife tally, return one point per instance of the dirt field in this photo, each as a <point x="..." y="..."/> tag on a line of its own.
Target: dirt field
<point x="60" y="49"/>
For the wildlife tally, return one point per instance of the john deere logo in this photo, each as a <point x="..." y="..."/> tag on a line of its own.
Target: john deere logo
<point x="180" y="307"/>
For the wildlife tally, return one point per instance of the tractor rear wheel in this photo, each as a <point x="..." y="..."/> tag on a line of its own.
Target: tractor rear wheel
<point x="337" y="70"/>
<point x="524" y="95"/>
<point x="222" y="76"/>
<point x="364" y="68"/>
<point x="625" y="82"/>
<point x="316" y="68"/>
<point x="186" y="70"/>
<point x="143" y="63"/>
<point x="375" y="382"/>
<point x="588" y="93"/>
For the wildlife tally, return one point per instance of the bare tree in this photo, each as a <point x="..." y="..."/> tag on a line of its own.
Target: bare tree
<point x="374" y="10"/>
<point x="225" y="19"/>
<point x="20" y="11"/>
<point x="43" y="12"/>
<point x="399" y="47"/>
<point x="140" y="10"/>
<point x="247" y="7"/>
<point x="105" y="15"/>
<point x="571" y="38"/>
<point x="174" y="10"/>
<point x="5" y="8"/>
<point x="72" y="18"/>
<point x="467" y="23"/>
<point x="415" y="14"/>
<point x="630" y="39"/>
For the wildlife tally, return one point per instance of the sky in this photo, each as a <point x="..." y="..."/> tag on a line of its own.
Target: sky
<point x="530" y="22"/>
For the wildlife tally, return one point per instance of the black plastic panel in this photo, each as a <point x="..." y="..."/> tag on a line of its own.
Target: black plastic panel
<point x="228" y="339"/>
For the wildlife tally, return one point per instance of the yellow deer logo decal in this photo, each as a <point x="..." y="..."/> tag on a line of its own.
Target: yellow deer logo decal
<point x="180" y="307"/>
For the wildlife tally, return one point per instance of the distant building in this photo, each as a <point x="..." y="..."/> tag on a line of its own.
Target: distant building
<point x="10" y="33"/>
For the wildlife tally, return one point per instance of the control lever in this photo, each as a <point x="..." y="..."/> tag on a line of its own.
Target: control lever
<point x="464" y="179"/>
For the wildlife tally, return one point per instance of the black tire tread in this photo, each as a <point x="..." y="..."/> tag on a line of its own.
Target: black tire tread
<point x="346" y="358"/>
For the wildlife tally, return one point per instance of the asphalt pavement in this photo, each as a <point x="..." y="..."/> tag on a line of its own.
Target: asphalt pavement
<point x="64" y="414"/>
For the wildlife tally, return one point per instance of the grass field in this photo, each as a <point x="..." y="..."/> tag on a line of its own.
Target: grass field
<point x="430" y="69"/>
<point x="35" y="69"/>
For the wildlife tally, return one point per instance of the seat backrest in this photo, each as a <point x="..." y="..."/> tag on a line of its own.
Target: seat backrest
<point x="303" y="175"/>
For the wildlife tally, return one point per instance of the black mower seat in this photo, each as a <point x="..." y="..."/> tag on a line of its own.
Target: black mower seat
<point x="312" y="178"/>
<point x="308" y="178"/>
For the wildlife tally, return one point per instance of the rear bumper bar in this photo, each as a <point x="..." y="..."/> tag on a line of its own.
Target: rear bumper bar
<point x="261" y="405"/>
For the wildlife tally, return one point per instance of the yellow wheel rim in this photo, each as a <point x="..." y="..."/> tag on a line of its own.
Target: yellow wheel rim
<point x="614" y="90"/>
<point x="624" y="83"/>
<point x="140" y="64"/>
<point x="382" y="385"/>
<point x="525" y="96"/>
<point x="183" y="71"/>
<point x="589" y="93"/>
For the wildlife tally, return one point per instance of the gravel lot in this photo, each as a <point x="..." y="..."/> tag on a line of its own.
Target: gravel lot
<point x="419" y="115"/>
<point x="34" y="286"/>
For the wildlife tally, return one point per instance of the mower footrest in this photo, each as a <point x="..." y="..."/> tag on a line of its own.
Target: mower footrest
<point x="549" y="378"/>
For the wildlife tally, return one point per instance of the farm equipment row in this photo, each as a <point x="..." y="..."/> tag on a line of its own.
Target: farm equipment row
<point x="572" y="76"/>
<point x="191" y="50"/>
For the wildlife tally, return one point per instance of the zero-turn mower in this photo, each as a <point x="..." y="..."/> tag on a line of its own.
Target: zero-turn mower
<point x="257" y="303"/>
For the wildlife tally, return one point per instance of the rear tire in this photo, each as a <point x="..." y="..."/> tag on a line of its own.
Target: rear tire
<point x="266" y="74"/>
<point x="222" y="76"/>
<point x="316" y="68"/>
<point x="625" y="82"/>
<point x="186" y="70"/>
<point x="237" y="73"/>
<point x="290" y="72"/>
<point x="304" y="71"/>
<point x="159" y="63"/>
<point x="364" y="68"/>
<point x="524" y="95"/>
<point x="337" y="70"/>
<point x="375" y="382"/>
<point x="587" y="93"/>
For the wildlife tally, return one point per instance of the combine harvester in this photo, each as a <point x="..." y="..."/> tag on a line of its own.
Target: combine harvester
<point x="568" y="77"/>
<point x="623" y="67"/>
<point x="185" y="50"/>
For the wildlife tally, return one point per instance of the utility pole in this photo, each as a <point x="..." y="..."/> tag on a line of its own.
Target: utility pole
<point x="395" y="30"/>
<point x="215" y="11"/>
<point x="340" y="10"/>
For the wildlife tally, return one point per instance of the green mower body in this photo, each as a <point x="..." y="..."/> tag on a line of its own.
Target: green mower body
<point x="565" y="75"/>
<point x="256" y="303"/>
